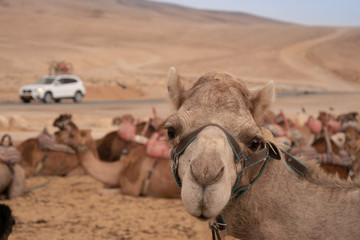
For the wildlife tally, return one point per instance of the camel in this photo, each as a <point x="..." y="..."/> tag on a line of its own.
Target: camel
<point x="112" y="146"/>
<point x="39" y="161"/>
<point x="60" y="159"/>
<point x="232" y="174"/>
<point x="12" y="175"/>
<point x="136" y="174"/>
<point x="66" y="127"/>
<point x="288" y="132"/>
<point x="64" y="122"/>
<point x="334" y="161"/>
<point x="6" y="221"/>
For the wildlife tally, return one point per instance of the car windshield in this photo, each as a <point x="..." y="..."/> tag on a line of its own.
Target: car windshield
<point x="46" y="80"/>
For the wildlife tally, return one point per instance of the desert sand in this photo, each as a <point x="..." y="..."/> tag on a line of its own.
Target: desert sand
<point x="133" y="43"/>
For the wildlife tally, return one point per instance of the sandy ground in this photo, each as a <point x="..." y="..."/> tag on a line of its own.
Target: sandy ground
<point x="72" y="208"/>
<point x="135" y="44"/>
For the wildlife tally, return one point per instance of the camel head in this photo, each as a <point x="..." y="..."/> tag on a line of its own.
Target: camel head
<point x="62" y="120"/>
<point x="125" y="118"/>
<point x="82" y="141"/>
<point x="207" y="168"/>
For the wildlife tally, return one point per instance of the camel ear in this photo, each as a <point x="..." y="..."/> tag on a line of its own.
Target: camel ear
<point x="261" y="101"/>
<point x="274" y="150"/>
<point x="175" y="88"/>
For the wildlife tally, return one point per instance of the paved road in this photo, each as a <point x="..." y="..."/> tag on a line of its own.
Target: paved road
<point x="86" y="104"/>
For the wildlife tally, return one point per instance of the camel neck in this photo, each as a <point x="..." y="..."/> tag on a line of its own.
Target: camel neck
<point x="284" y="200"/>
<point x="105" y="172"/>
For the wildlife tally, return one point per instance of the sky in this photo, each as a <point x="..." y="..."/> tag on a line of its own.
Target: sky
<point x="307" y="12"/>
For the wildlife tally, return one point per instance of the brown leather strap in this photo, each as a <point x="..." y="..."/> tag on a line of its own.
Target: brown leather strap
<point x="257" y="157"/>
<point x="294" y="163"/>
<point x="187" y="139"/>
<point x="192" y="135"/>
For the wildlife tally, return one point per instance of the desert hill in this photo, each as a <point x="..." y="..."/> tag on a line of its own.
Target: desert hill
<point x="135" y="42"/>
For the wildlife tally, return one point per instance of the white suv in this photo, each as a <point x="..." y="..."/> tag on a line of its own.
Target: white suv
<point x="54" y="87"/>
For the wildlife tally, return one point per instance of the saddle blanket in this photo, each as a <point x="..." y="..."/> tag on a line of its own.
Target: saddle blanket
<point x="47" y="142"/>
<point x="9" y="155"/>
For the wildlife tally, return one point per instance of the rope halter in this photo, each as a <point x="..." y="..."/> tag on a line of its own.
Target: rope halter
<point x="262" y="155"/>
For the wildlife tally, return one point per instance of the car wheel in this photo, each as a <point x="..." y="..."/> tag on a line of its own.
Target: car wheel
<point x="25" y="100"/>
<point x="47" y="97"/>
<point x="78" y="96"/>
<point x="57" y="100"/>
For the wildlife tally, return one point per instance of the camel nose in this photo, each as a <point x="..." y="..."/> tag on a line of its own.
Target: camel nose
<point x="206" y="173"/>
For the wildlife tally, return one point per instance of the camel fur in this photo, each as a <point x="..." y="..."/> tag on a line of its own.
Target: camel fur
<point x="281" y="204"/>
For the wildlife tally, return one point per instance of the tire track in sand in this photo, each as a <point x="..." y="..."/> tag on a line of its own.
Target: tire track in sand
<point x="319" y="77"/>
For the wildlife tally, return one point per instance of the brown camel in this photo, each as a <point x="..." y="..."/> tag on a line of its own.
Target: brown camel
<point x="39" y="161"/>
<point x="112" y="146"/>
<point x="216" y="165"/>
<point x="66" y="127"/>
<point x="64" y="122"/>
<point x="57" y="159"/>
<point x="136" y="174"/>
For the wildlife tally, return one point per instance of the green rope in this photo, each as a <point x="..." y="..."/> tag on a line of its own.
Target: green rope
<point x="50" y="179"/>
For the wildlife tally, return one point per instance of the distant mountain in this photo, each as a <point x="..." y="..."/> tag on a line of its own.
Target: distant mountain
<point x="135" y="41"/>
<point x="191" y="14"/>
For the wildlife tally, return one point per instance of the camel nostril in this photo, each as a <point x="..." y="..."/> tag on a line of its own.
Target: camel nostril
<point x="220" y="174"/>
<point x="205" y="176"/>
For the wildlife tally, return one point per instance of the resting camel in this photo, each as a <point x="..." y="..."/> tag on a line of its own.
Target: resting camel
<point x="64" y="122"/>
<point x="136" y="174"/>
<point x="112" y="146"/>
<point x="39" y="161"/>
<point x="220" y="150"/>
<point x="66" y="127"/>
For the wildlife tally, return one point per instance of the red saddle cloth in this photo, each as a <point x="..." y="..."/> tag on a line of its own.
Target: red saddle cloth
<point x="127" y="131"/>
<point x="314" y="125"/>
<point x="156" y="146"/>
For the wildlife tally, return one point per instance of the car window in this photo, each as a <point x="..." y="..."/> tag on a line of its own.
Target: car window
<point x="67" y="81"/>
<point x="45" y="80"/>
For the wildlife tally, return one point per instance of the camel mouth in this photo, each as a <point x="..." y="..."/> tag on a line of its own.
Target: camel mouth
<point x="203" y="218"/>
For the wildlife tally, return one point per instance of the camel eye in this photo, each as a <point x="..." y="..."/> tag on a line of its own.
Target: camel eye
<point x="171" y="132"/>
<point x="255" y="143"/>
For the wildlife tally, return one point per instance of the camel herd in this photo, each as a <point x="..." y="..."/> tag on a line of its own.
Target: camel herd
<point x="122" y="158"/>
<point x="233" y="159"/>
